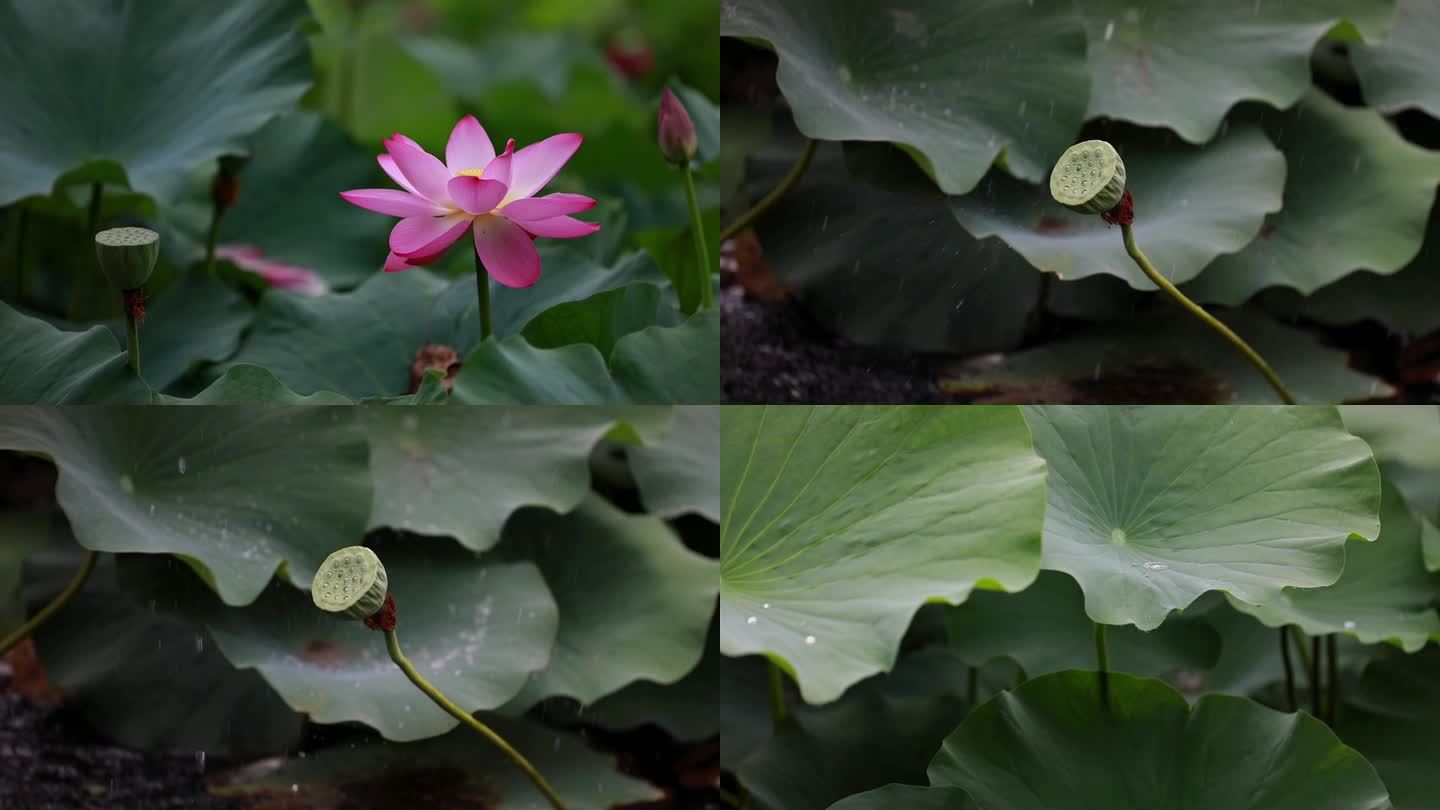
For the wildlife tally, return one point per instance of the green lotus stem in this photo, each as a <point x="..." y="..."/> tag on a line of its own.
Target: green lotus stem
<point x="1102" y="660"/>
<point x="972" y="687"/>
<point x="1317" y="690"/>
<point x="76" y="583"/>
<point x="132" y="340"/>
<point x="393" y="644"/>
<point x="92" y="219"/>
<point x="749" y="217"/>
<point x="777" y="694"/>
<point x="1289" y="668"/>
<point x="482" y="293"/>
<point x="1209" y="320"/>
<point x="1332" y="709"/>
<point x="697" y="224"/>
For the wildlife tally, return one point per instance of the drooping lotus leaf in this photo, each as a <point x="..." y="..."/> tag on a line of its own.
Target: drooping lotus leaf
<point x="196" y="321"/>
<point x="680" y="474"/>
<point x="882" y="730"/>
<point x="244" y="384"/>
<point x="1401" y="302"/>
<point x="42" y="364"/>
<point x="1044" y="629"/>
<point x="147" y="679"/>
<point x="1183" y="65"/>
<point x="687" y="708"/>
<point x="956" y="85"/>
<point x="1384" y="594"/>
<point x="1391" y="719"/>
<point x="475" y="628"/>
<point x="1397" y="73"/>
<point x="618" y="579"/>
<point x="656" y="365"/>
<point x="456" y="767"/>
<point x="1357" y="197"/>
<point x="1406" y="443"/>
<point x="1149" y="748"/>
<point x="1169" y="357"/>
<point x="838" y="523"/>
<point x="1191" y="205"/>
<point x="179" y="83"/>
<point x="1151" y="507"/>
<point x="429" y="465"/>
<point x="237" y="492"/>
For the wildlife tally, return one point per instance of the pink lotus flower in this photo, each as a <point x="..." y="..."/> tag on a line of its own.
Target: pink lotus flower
<point x="281" y="276"/>
<point x="474" y="189"/>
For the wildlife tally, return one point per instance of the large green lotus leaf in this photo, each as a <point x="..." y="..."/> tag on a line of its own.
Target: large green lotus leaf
<point x="681" y="474"/>
<point x="458" y="770"/>
<point x="236" y="491"/>
<point x="889" y="265"/>
<point x="146" y="679"/>
<point x="1192" y="204"/>
<point x="1148" y="748"/>
<point x="957" y="85"/>
<point x="1357" y="197"/>
<point x="428" y="465"/>
<point x="245" y="384"/>
<point x="838" y="523"/>
<point x="475" y="628"/>
<point x="1183" y="65"/>
<point x="687" y="708"/>
<point x="908" y="797"/>
<point x="1391" y="719"/>
<point x="635" y="603"/>
<point x="1171" y="357"/>
<point x="1384" y="594"/>
<point x="1398" y="73"/>
<point x="179" y="83"/>
<point x="602" y="319"/>
<point x="1151" y="507"/>
<point x="656" y="365"/>
<point x="198" y="320"/>
<point x="882" y="730"/>
<point x="1044" y="629"/>
<point x="42" y="364"/>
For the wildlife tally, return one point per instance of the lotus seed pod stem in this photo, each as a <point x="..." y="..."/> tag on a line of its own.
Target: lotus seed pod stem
<point x="127" y="255"/>
<point x="1089" y="178"/>
<point x="351" y="583"/>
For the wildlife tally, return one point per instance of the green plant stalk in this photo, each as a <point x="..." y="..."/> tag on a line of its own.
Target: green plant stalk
<point x="76" y="583"/>
<point x="749" y="217"/>
<point x="777" y="694"/>
<point x="1332" y="707"/>
<point x="1289" y="668"/>
<point x="972" y="688"/>
<point x="1102" y="660"/>
<point x="1317" y="690"/>
<point x="1209" y="320"/>
<point x="393" y="644"/>
<point x="132" y="340"/>
<point x="482" y="294"/>
<point x="212" y="237"/>
<point x="697" y="225"/>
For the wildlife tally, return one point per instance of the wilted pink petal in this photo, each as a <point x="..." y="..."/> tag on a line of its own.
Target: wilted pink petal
<point x="507" y="252"/>
<point x="469" y="147"/>
<point x="414" y="236"/>
<point x="281" y="276"/>
<point x="394" y="203"/>
<point x="551" y="205"/>
<point x="476" y="196"/>
<point x="538" y="163"/>
<point x="560" y="227"/>
<point x="422" y="169"/>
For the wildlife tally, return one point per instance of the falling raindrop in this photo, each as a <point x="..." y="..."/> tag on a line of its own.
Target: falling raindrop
<point x="181" y="465"/>
<point x="766" y="606"/>
<point x="1109" y="30"/>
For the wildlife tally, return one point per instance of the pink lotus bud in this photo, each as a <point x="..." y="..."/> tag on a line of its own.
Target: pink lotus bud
<point x="677" y="131"/>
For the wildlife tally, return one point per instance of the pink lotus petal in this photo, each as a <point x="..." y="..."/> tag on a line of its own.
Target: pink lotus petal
<point x="238" y="253"/>
<point x="388" y="164"/>
<point x="422" y="169"/>
<point x="560" y="227"/>
<point x="424" y="236"/>
<point x="538" y="163"/>
<point x="501" y="167"/>
<point x="551" y="205"/>
<point x="281" y="276"/>
<point x="507" y="252"/>
<point x="393" y="203"/>
<point x="469" y="146"/>
<point x="476" y="196"/>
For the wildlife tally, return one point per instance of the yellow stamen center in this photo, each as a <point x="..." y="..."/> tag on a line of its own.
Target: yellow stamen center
<point x="472" y="172"/>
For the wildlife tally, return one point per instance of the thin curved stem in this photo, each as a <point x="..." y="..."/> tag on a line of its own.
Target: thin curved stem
<point x="1210" y="320"/>
<point x="697" y="223"/>
<point x="1289" y="668"/>
<point x="1102" y="660"/>
<point x="482" y="295"/>
<point x="132" y="339"/>
<point x="1332" y="660"/>
<point x="972" y="687"/>
<point x="49" y="610"/>
<point x="465" y="717"/>
<point x="1317" y="691"/>
<point x="749" y="217"/>
<point x="777" y="694"/>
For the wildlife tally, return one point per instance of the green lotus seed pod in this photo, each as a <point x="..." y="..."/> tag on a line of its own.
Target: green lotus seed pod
<point x="1088" y="178"/>
<point x="351" y="583"/>
<point x="127" y="255"/>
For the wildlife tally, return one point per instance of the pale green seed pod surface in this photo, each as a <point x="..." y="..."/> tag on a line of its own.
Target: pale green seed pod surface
<point x="127" y="255"/>
<point x="1088" y="178"/>
<point x="351" y="582"/>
